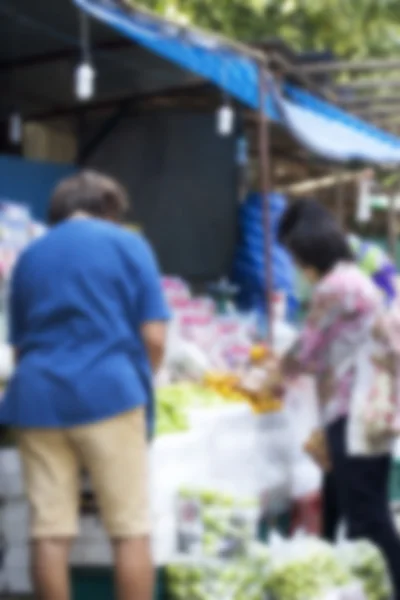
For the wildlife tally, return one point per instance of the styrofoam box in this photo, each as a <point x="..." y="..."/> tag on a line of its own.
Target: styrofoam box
<point x="164" y="540"/>
<point x="14" y="521"/>
<point x="3" y="581"/>
<point x="17" y="581"/>
<point x="92" y="547"/>
<point x="17" y="555"/>
<point x="11" y="482"/>
<point x="176" y="461"/>
<point x="91" y="529"/>
<point x="91" y="553"/>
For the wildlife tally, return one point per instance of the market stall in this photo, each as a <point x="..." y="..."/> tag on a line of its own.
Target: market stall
<point x="222" y="461"/>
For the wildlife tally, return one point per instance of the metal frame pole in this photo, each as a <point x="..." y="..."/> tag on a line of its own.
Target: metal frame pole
<point x="265" y="188"/>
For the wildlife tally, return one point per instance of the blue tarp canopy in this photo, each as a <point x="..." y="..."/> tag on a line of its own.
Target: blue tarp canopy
<point x="319" y="126"/>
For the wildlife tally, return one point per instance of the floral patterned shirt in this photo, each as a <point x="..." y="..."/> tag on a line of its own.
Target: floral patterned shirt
<point x="344" y="308"/>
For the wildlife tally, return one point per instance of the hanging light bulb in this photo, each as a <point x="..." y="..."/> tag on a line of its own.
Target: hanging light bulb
<point x="84" y="81"/>
<point x="15" y="128"/>
<point x="225" y="120"/>
<point x="85" y="73"/>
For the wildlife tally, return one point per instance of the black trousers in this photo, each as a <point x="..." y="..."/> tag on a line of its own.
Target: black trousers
<point x="331" y="516"/>
<point x="362" y="491"/>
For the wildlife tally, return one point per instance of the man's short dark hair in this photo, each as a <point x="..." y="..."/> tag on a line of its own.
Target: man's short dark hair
<point x="320" y="245"/>
<point x="302" y="209"/>
<point x="89" y="192"/>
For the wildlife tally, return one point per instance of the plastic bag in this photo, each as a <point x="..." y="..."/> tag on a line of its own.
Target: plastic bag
<point x="304" y="568"/>
<point x="215" y="524"/>
<point x="214" y="579"/>
<point x="366" y="563"/>
<point x="306" y="478"/>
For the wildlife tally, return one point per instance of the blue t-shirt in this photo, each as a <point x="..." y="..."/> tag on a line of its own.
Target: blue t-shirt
<point x="79" y="296"/>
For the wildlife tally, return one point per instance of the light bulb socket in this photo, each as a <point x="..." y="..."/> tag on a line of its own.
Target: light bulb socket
<point x="15" y="128"/>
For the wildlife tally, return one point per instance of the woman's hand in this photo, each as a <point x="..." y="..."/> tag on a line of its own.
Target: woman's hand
<point x="263" y="381"/>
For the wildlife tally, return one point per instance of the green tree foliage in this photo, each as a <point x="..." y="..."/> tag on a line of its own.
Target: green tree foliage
<point x="350" y="28"/>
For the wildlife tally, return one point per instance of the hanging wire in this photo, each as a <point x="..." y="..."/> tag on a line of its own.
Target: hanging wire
<point x="84" y="27"/>
<point x="226" y="100"/>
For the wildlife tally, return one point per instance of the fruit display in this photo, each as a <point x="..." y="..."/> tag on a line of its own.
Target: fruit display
<point x="366" y="563"/>
<point x="175" y="401"/>
<point x="251" y="386"/>
<point x="215" y="525"/>
<point x="211" y="580"/>
<point x="305" y="569"/>
<point x="226" y="385"/>
<point x="259" y="353"/>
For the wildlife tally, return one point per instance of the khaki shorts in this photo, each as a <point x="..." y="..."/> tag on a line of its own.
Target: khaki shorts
<point x="114" y="453"/>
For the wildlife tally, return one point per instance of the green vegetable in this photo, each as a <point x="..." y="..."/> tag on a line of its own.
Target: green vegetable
<point x="366" y="563"/>
<point x="306" y="575"/>
<point x="174" y="403"/>
<point x="223" y="526"/>
<point x="216" y="580"/>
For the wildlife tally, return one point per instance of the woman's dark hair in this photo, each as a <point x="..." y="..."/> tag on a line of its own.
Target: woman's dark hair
<point x="316" y="242"/>
<point x="299" y="210"/>
<point x="90" y="192"/>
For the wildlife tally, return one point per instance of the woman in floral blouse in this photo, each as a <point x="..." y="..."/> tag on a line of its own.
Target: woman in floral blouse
<point x="344" y="307"/>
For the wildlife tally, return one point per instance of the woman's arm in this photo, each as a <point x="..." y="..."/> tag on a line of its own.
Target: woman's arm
<point x="309" y="352"/>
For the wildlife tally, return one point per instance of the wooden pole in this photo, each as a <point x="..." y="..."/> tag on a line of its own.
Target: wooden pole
<point x="265" y="188"/>
<point x="392" y="224"/>
<point x="339" y="192"/>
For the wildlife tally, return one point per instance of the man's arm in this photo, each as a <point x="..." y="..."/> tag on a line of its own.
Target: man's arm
<point x="153" y="310"/>
<point x="154" y="335"/>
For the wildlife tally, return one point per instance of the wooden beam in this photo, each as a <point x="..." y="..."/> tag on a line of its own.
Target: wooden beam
<point x="380" y="109"/>
<point x="337" y="66"/>
<point x="197" y="86"/>
<point x="310" y="185"/>
<point x="366" y="84"/>
<point x="34" y="60"/>
<point x="387" y="119"/>
<point x="367" y="100"/>
<point x="293" y="69"/>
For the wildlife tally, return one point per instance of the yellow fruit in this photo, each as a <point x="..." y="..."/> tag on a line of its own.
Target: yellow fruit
<point x="258" y="352"/>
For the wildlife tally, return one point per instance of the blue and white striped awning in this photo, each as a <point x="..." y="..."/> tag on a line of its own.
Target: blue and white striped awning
<point x="319" y="126"/>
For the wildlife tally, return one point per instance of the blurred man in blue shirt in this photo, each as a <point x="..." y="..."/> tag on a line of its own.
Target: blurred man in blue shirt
<point x="88" y="323"/>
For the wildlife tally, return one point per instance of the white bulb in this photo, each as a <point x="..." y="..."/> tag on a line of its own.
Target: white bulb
<point x="15" y="128"/>
<point x="84" y="81"/>
<point x="225" y="120"/>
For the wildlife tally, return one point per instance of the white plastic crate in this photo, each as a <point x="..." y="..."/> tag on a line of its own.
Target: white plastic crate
<point x="91" y="553"/>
